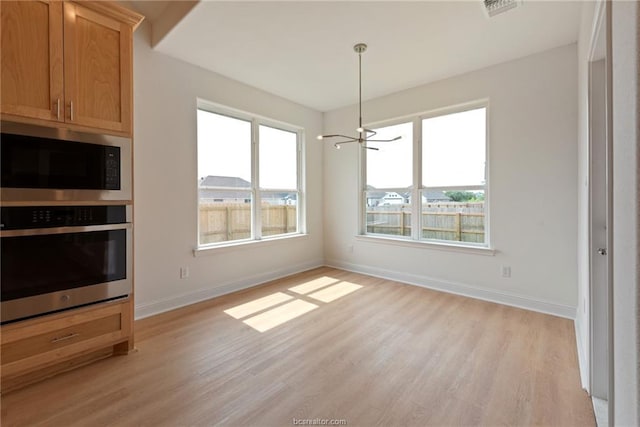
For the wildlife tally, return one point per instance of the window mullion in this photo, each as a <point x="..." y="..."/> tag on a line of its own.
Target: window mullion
<point x="416" y="193"/>
<point x="256" y="212"/>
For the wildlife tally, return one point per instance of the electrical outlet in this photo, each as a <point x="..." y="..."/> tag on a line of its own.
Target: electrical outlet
<point x="184" y="272"/>
<point x="505" y="270"/>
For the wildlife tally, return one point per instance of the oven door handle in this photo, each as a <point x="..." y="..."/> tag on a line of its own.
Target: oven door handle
<point x="64" y="230"/>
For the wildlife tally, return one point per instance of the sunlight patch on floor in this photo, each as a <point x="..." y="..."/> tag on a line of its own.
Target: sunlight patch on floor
<point x="314" y="284"/>
<point x="334" y="292"/>
<point x="268" y="312"/>
<point x="244" y="310"/>
<point x="279" y="315"/>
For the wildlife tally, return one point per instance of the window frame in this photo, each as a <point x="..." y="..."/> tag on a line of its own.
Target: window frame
<point x="255" y="190"/>
<point x="418" y="188"/>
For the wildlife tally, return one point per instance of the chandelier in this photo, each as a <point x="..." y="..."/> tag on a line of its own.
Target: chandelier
<point x="364" y="135"/>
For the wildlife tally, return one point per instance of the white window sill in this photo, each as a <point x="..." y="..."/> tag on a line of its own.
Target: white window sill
<point x="246" y="244"/>
<point x="442" y="246"/>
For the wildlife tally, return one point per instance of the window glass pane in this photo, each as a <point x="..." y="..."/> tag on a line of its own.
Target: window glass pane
<point x="224" y="216"/>
<point x="456" y="215"/>
<point x="279" y="213"/>
<point x="224" y="162"/>
<point x="388" y="212"/>
<point x="453" y="149"/>
<point x="224" y="148"/>
<point x="391" y="165"/>
<point x="278" y="159"/>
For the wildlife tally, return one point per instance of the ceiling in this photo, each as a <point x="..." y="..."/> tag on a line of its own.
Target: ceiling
<point x="303" y="51"/>
<point x="151" y="9"/>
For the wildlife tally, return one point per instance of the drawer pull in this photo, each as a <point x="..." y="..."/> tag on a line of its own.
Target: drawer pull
<point x="64" y="338"/>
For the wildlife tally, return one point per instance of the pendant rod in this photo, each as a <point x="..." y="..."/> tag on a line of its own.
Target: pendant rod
<point x="360" y="89"/>
<point x="363" y="134"/>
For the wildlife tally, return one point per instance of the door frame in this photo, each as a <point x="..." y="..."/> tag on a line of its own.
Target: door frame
<point x="600" y="49"/>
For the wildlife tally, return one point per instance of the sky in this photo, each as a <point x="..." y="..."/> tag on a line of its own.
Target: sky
<point x="224" y="149"/>
<point x="453" y="152"/>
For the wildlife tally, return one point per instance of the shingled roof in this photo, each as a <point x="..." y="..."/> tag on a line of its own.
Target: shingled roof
<point x="224" y="181"/>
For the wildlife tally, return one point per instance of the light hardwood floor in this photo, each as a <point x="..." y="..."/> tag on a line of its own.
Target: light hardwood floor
<point x="369" y="351"/>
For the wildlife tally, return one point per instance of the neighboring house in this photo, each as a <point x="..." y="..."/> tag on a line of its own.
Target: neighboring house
<point x="279" y="199"/>
<point x="374" y="198"/>
<point x="220" y="189"/>
<point x="233" y="189"/>
<point x="388" y="198"/>
<point x="430" y="196"/>
<point x="392" y="198"/>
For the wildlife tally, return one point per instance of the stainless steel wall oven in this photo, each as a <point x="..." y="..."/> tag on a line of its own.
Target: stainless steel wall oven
<point x="66" y="220"/>
<point x="57" y="257"/>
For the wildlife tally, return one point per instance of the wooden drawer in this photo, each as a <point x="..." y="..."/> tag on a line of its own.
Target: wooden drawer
<point x="45" y="341"/>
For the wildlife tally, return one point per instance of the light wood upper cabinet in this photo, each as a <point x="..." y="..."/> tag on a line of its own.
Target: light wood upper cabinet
<point x="32" y="69"/>
<point x="68" y="62"/>
<point x="98" y="76"/>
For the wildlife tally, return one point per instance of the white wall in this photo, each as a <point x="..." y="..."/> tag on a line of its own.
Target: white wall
<point x="625" y="36"/>
<point x="165" y="185"/>
<point x="582" y="312"/>
<point x="533" y="186"/>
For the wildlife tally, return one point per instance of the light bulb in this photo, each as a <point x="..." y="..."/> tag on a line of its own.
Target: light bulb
<point x="337" y="146"/>
<point x="360" y="130"/>
<point x="319" y="137"/>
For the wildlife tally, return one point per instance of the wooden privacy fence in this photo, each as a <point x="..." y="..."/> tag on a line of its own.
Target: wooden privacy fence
<point x="454" y="221"/>
<point x="221" y="222"/>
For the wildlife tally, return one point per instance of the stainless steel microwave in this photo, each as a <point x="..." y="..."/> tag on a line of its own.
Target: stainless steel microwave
<point x="46" y="164"/>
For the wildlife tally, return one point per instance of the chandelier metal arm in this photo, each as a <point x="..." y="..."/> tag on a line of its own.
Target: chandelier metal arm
<point x="339" y="136"/>
<point x="346" y="141"/>
<point x="338" y="144"/>
<point x="384" y="140"/>
<point x="359" y="141"/>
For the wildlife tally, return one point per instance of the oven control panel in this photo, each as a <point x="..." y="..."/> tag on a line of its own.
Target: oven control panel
<point x="15" y="218"/>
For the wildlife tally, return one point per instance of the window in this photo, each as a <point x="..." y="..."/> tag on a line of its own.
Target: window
<point x="278" y="180"/>
<point x="448" y="177"/>
<point x="249" y="177"/>
<point x="453" y="166"/>
<point x="389" y="181"/>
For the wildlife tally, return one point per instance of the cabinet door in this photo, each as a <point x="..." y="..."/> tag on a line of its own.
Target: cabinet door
<point x="98" y="69"/>
<point x="32" y="54"/>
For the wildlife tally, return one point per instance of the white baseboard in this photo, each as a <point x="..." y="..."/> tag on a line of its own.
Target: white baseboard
<point x="582" y="357"/>
<point x="151" y="308"/>
<point x="476" y="292"/>
<point x="171" y="303"/>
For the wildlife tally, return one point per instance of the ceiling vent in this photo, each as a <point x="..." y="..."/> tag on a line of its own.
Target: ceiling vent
<point x="495" y="7"/>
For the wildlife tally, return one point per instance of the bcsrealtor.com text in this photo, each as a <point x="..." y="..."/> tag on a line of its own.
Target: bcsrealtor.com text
<point x="318" y="422"/>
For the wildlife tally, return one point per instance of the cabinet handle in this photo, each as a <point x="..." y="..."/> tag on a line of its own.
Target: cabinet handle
<point x="58" y="108"/>
<point x="71" y="108"/>
<point x="64" y="337"/>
